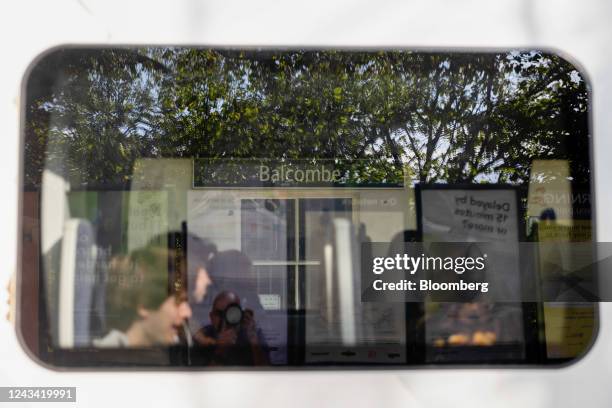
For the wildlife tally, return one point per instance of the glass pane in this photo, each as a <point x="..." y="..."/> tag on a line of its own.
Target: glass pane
<point x="267" y="229"/>
<point x="204" y="207"/>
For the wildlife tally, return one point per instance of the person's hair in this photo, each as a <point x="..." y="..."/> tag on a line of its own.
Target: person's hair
<point x="225" y="294"/>
<point x="200" y="250"/>
<point x="232" y="270"/>
<point x="137" y="280"/>
<point x="231" y="266"/>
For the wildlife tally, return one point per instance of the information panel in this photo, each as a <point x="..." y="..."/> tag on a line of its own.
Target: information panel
<point x="473" y="214"/>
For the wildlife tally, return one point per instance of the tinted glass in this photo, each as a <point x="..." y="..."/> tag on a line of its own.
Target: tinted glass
<point x="199" y="207"/>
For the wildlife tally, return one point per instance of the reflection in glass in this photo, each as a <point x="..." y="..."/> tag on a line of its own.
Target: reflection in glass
<point x="147" y="161"/>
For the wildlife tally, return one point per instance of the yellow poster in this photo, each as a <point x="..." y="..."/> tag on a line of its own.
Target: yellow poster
<point x="569" y="328"/>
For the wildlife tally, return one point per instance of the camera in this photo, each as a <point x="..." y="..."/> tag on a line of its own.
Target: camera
<point x="233" y="314"/>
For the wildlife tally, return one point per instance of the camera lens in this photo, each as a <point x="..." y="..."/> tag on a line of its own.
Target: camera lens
<point x="233" y="315"/>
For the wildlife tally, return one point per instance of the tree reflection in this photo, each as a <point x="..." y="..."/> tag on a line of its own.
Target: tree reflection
<point x="446" y="117"/>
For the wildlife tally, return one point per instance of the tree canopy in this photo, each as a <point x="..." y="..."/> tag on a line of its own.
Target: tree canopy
<point x="453" y="117"/>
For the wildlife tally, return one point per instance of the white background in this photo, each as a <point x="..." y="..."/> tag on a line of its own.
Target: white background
<point x="581" y="29"/>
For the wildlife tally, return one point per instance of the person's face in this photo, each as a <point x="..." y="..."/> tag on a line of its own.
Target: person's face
<point x="162" y="325"/>
<point x="202" y="283"/>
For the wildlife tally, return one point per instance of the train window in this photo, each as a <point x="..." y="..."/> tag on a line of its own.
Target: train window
<point x="212" y="208"/>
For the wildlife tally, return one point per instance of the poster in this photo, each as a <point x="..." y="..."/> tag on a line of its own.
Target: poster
<point x="569" y="328"/>
<point x="147" y="217"/>
<point x="472" y="214"/>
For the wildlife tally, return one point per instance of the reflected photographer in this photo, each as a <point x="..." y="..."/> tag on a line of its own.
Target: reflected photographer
<point x="233" y="337"/>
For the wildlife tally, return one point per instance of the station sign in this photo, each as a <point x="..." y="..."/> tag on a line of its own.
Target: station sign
<point x="302" y="173"/>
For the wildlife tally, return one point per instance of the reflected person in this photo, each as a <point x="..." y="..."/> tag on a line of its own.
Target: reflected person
<point x="233" y="337"/>
<point x="144" y="307"/>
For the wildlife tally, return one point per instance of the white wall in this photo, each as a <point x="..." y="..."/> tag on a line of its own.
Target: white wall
<point x="580" y="29"/>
